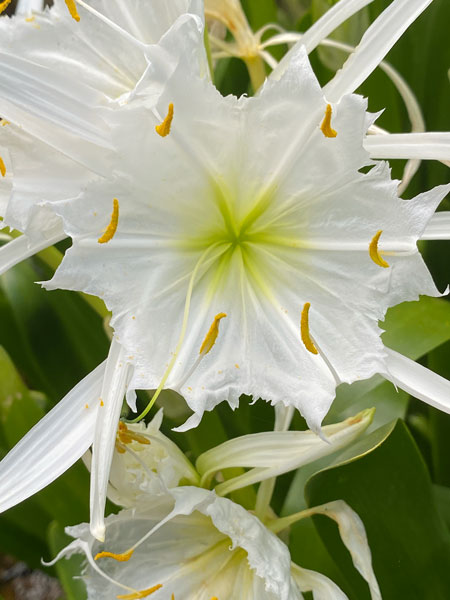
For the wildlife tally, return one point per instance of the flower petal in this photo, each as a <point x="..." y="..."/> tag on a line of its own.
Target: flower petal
<point x="321" y="587"/>
<point x="56" y="442"/>
<point x="328" y="22"/>
<point x="418" y="381"/>
<point x="375" y="44"/>
<point x="353" y="535"/>
<point x="113" y="389"/>
<point x="425" y="146"/>
<point x="19" y="249"/>
<point x="273" y="453"/>
<point x="438" y="227"/>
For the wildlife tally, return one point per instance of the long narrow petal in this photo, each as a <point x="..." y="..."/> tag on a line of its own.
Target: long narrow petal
<point x="425" y="146"/>
<point x="330" y="21"/>
<point x="374" y="45"/>
<point x="321" y="587"/>
<point x="21" y="248"/>
<point x="438" y="227"/>
<point x="273" y="453"/>
<point x="418" y="381"/>
<point x="111" y="398"/>
<point x="353" y="535"/>
<point x="53" y="444"/>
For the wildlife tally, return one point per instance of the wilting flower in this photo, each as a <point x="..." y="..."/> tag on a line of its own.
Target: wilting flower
<point x="187" y="542"/>
<point x="249" y="214"/>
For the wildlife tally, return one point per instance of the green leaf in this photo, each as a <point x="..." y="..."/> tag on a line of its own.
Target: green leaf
<point x="68" y="570"/>
<point x="389" y="487"/>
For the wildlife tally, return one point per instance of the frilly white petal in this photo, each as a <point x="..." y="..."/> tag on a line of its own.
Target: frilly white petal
<point x="54" y="444"/>
<point x="418" y="381"/>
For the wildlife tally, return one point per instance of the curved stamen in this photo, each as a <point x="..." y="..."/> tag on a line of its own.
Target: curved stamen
<point x="4" y="5"/>
<point x="73" y="9"/>
<point x="163" y="129"/>
<point x="2" y="167"/>
<point x="182" y="333"/>
<point x="304" y="330"/>
<point x="112" y="227"/>
<point x="123" y="557"/>
<point x="325" y="126"/>
<point x="375" y="253"/>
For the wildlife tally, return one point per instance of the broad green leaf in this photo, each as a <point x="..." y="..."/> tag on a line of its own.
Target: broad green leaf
<point x="390" y="488"/>
<point x="260" y="12"/>
<point x="68" y="570"/>
<point x="54" y="338"/>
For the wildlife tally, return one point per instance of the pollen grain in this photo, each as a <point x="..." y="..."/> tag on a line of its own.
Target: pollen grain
<point x="2" y="167"/>
<point x="142" y="594"/>
<point x="124" y="557"/>
<point x="326" y="128"/>
<point x="375" y="253"/>
<point x="163" y="128"/>
<point x="112" y="227"/>
<point x="71" y="5"/>
<point x="212" y="334"/>
<point x="304" y="330"/>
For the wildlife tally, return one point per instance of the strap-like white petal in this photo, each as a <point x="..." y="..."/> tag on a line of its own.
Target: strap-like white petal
<point x="330" y="21"/>
<point x="425" y="146"/>
<point x="111" y="399"/>
<point x="321" y="587"/>
<point x="353" y="535"/>
<point x="53" y="444"/>
<point x="273" y="453"/>
<point x="21" y="248"/>
<point x="418" y="381"/>
<point x="438" y="227"/>
<point x="375" y="44"/>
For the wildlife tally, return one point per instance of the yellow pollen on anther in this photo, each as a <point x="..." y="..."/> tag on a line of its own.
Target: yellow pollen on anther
<point x="126" y="436"/>
<point x="112" y="227"/>
<point x="163" y="128"/>
<point x="2" y="167"/>
<point x="375" y="253"/>
<point x="102" y="403"/>
<point x="212" y="334"/>
<point x="141" y="594"/>
<point x="326" y="128"/>
<point x="124" y="557"/>
<point x="4" y="122"/>
<point x="72" y="9"/>
<point x="304" y="330"/>
<point x="4" y="5"/>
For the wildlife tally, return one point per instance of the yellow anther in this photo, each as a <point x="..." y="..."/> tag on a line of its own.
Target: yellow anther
<point x="374" y="252"/>
<point x="4" y="122"/>
<point x="304" y="330"/>
<point x="124" y="557"/>
<point x="163" y="128"/>
<point x="72" y="9"/>
<point x="4" y="5"/>
<point x="112" y="227"/>
<point x="126" y="436"/>
<point x="326" y="128"/>
<point x="212" y="334"/>
<point x="141" y="594"/>
<point x="2" y="167"/>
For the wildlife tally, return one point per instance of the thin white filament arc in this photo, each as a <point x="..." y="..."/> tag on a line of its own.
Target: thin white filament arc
<point x="22" y="247"/>
<point x="187" y="306"/>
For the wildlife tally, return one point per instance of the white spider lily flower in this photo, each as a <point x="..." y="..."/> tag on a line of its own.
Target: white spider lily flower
<point x="253" y="209"/>
<point x="192" y="544"/>
<point x="273" y="453"/>
<point x="58" y="67"/>
<point x="146" y="462"/>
